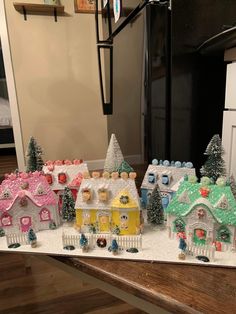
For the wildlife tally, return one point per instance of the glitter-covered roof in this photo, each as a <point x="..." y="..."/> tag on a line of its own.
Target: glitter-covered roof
<point x="217" y="193"/>
<point x="72" y="169"/>
<point x="32" y="185"/>
<point x="113" y="187"/>
<point x="176" y="175"/>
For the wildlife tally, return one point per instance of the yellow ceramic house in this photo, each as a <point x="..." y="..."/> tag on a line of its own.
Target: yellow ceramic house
<point x="125" y="213"/>
<point x="104" y="204"/>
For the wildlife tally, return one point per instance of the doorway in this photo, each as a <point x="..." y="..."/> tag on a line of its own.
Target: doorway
<point x="25" y="223"/>
<point x="12" y="129"/>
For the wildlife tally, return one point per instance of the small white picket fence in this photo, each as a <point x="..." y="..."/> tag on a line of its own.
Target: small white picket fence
<point x="70" y="239"/>
<point x="205" y="250"/>
<point x="20" y="238"/>
<point x="124" y="242"/>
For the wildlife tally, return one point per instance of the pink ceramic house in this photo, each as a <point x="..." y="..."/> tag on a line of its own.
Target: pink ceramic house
<point x="64" y="173"/>
<point x="27" y="201"/>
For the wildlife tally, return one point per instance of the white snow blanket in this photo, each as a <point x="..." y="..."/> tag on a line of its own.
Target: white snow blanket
<point x="5" y="113"/>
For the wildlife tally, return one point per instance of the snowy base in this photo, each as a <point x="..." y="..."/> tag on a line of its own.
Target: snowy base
<point x="155" y="242"/>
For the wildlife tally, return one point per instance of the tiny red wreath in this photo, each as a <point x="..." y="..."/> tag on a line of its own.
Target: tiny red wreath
<point x="101" y="242"/>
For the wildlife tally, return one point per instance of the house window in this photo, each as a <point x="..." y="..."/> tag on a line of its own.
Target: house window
<point x="62" y="178"/>
<point x="165" y="199"/>
<point x="124" y="219"/>
<point x="223" y="203"/>
<point x="6" y="194"/>
<point x="201" y="213"/>
<point x="103" y="194"/>
<point x="151" y="178"/>
<point x="104" y="222"/>
<point x="49" y="178"/>
<point x="45" y="215"/>
<point x="223" y="234"/>
<point x="199" y="236"/>
<point x="86" y="219"/>
<point x="179" y="225"/>
<point x="6" y="220"/>
<point x="165" y="179"/>
<point x="86" y="195"/>
<point x="39" y="190"/>
<point x="184" y="198"/>
<point x="124" y="199"/>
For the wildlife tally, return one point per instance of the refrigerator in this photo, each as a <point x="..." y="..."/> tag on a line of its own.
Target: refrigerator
<point x="185" y="77"/>
<point x="184" y="73"/>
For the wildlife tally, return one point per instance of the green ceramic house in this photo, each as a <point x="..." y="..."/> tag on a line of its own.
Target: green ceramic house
<point x="207" y="214"/>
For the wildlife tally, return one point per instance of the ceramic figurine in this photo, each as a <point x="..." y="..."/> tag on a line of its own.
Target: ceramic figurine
<point x="119" y="209"/>
<point x="167" y="176"/>
<point x="27" y="201"/>
<point x="205" y="213"/>
<point x="64" y="173"/>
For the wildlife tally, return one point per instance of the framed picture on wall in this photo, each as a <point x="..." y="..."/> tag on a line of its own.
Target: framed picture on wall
<point x="84" y="6"/>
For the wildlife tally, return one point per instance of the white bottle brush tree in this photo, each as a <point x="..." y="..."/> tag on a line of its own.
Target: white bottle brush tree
<point x="34" y="156"/>
<point x="155" y="212"/>
<point x="114" y="155"/>
<point x="68" y="205"/>
<point x="214" y="166"/>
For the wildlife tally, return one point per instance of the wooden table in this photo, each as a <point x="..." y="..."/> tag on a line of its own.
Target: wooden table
<point x="158" y="287"/>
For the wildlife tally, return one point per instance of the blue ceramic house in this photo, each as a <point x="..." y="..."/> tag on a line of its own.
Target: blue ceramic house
<point x="167" y="176"/>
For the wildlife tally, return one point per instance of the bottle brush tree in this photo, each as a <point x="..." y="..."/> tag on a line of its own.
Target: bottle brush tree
<point x="31" y="236"/>
<point x="114" y="246"/>
<point x="83" y="240"/>
<point x="214" y="166"/>
<point x="68" y="205"/>
<point x="155" y="212"/>
<point x="114" y="155"/>
<point x="34" y="156"/>
<point x="2" y="232"/>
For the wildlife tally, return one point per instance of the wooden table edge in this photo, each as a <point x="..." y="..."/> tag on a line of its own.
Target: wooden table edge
<point x="130" y="292"/>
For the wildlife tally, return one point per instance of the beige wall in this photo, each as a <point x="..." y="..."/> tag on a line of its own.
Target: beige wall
<point x="56" y="74"/>
<point x="128" y="65"/>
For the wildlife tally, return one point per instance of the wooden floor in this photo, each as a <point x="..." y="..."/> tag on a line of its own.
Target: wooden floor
<point x="8" y="164"/>
<point x="46" y="289"/>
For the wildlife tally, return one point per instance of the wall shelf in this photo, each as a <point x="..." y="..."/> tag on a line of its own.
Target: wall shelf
<point x="39" y="9"/>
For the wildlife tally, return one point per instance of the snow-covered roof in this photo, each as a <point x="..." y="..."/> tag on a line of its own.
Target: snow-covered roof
<point x="174" y="173"/>
<point x="32" y="185"/>
<point x="113" y="186"/>
<point x="72" y="171"/>
<point x="226" y="215"/>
